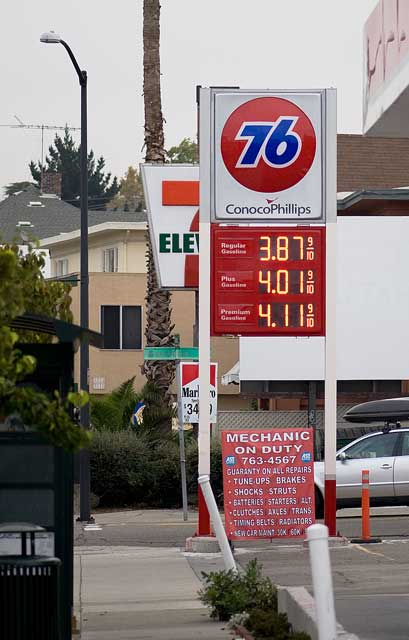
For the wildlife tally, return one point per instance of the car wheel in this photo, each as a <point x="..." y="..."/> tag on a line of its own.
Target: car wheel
<point x="319" y="504"/>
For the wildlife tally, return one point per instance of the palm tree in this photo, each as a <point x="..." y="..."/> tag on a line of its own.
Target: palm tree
<point x="159" y="327"/>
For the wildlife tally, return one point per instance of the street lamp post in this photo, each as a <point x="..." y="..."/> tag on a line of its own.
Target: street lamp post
<point x="85" y="510"/>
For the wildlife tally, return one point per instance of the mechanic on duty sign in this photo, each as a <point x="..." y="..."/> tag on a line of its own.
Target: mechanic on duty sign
<point x="268" y="156"/>
<point x="268" y="481"/>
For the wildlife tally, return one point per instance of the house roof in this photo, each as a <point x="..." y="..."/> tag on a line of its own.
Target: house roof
<point x="366" y="163"/>
<point x="389" y="195"/>
<point x="50" y="216"/>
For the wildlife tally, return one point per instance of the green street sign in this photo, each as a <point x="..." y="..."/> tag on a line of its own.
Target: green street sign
<point x="187" y="353"/>
<point x="171" y="353"/>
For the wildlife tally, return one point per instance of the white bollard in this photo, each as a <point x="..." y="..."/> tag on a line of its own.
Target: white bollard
<point x="317" y="537"/>
<point x="217" y="523"/>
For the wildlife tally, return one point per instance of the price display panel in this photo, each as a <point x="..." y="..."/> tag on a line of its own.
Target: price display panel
<point x="268" y="281"/>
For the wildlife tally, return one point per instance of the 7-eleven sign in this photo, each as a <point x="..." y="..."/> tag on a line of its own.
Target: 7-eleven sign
<point x="172" y="199"/>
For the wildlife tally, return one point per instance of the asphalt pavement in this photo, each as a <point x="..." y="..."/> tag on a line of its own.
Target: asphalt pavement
<point x="126" y="551"/>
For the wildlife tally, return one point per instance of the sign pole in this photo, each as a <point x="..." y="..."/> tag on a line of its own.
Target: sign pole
<point x="182" y="447"/>
<point x="204" y="304"/>
<point x="330" y="413"/>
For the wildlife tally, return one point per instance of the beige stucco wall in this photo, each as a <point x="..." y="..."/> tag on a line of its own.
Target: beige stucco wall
<point x="128" y="287"/>
<point x="131" y="251"/>
<point x="115" y="366"/>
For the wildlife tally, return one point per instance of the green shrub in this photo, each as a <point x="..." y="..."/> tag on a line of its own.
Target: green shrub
<point x="229" y="592"/>
<point x="118" y="467"/>
<point x="270" y="625"/>
<point x="113" y="412"/>
<point x="130" y="468"/>
<point x="248" y="599"/>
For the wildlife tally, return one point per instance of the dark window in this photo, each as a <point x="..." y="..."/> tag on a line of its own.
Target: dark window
<point x="131" y="328"/>
<point x="121" y="327"/>
<point x="405" y="443"/>
<point x="379" y="446"/>
<point x="110" y="325"/>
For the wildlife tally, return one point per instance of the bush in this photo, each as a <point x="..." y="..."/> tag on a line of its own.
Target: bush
<point x="129" y="468"/>
<point x="270" y="625"/>
<point x="247" y="599"/>
<point x="229" y="592"/>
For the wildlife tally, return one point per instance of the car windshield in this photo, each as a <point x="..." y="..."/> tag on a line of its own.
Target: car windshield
<point x="379" y="446"/>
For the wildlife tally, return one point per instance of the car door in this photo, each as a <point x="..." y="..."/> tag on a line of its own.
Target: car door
<point x="401" y="469"/>
<point x="375" y="453"/>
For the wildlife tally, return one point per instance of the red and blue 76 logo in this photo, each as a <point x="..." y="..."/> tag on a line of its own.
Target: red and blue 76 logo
<point x="268" y="144"/>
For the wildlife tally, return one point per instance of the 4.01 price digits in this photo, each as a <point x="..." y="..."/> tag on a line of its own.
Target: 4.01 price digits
<point x="283" y="281"/>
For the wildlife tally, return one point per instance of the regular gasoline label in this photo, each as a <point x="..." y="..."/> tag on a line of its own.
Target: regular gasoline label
<point x="268" y="480"/>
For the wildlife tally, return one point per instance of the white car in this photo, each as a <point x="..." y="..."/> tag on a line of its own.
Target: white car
<point x="385" y="454"/>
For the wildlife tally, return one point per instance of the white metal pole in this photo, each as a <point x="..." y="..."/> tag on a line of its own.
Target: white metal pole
<point x="204" y="285"/>
<point x="181" y="433"/>
<point x="217" y="523"/>
<point x="330" y="413"/>
<point x="317" y="537"/>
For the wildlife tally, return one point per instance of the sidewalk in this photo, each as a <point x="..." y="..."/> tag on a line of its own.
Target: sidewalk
<point x="130" y="593"/>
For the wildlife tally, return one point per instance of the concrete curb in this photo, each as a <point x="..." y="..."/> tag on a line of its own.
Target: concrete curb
<point x="202" y="544"/>
<point x="299" y="606"/>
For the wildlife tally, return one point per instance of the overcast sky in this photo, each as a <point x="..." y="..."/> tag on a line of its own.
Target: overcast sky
<point x="252" y="44"/>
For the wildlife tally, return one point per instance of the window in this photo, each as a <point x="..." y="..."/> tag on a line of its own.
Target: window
<point x="61" y="267"/>
<point x="405" y="443"/>
<point x="110" y="257"/>
<point x="380" y="446"/>
<point x="121" y="327"/>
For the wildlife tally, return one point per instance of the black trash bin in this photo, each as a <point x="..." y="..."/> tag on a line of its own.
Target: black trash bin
<point x="29" y="590"/>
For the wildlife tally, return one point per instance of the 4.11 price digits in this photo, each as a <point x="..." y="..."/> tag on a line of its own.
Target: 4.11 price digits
<point x="289" y="315"/>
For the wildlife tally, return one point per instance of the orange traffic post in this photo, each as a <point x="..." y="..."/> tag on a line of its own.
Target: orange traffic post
<point x="365" y="513"/>
<point x="366" y="522"/>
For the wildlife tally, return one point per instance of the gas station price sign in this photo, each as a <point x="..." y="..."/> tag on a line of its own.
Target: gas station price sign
<point x="268" y="280"/>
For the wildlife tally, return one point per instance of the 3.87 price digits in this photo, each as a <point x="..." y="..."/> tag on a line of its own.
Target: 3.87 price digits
<point x="285" y="248"/>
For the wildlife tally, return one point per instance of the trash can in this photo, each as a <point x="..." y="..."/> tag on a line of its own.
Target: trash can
<point x="29" y="590"/>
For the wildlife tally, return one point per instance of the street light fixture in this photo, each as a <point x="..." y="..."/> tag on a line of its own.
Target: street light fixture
<point x="53" y="38"/>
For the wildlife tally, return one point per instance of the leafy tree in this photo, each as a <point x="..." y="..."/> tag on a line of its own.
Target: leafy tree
<point x="186" y="152"/>
<point x="130" y="196"/>
<point x="64" y="158"/>
<point x="114" y="411"/>
<point x="24" y="289"/>
<point x="159" y="326"/>
<point x="14" y="187"/>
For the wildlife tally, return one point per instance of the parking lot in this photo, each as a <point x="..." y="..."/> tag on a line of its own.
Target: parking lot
<point x="370" y="581"/>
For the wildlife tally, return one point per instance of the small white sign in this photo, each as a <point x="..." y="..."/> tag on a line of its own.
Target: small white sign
<point x="188" y="392"/>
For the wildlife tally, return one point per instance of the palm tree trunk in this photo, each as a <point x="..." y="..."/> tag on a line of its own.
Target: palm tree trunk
<point x="159" y="328"/>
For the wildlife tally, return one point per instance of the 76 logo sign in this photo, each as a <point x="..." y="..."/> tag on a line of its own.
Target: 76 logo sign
<point x="275" y="142"/>
<point x="268" y="144"/>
